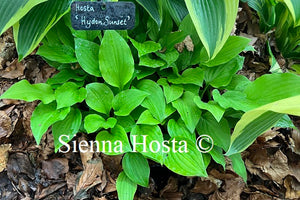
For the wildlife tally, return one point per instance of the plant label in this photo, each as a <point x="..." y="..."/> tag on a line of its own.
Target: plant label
<point x="102" y="15"/>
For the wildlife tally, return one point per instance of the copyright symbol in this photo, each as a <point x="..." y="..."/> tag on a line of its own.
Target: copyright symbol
<point x="204" y="143"/>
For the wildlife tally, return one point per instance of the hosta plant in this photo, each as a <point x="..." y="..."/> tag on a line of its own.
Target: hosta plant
<point x="150" y="92"/>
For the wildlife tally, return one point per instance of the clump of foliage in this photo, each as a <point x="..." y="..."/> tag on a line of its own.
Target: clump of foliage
<point x="124" y="84"/>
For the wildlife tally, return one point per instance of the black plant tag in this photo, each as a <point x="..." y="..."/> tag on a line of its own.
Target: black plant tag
<point x="87" y="15"/>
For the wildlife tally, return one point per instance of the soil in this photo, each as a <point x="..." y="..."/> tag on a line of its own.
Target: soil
<point x="28" y="171"/>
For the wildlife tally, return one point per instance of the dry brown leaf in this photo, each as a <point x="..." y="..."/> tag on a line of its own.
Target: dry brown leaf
<point x="85" y="154"/>
<point x="5" y="125"/>
<point x="260" y="196"/>
<point x="71" y="179"/>
<point x="274" y="167"/>
<point x="91" y="175"/>
<point x="171" y="187"/>
<point x="232" y="190"/>
<point x="4" y="148"/>
<point x="292" y="188"/>
<point x="206" y="185"/>
<point x="295" y="142"/>
<point x="188" y="43"/>
<point x="55" y="168"/>
<point x="13" y="70"/>
<point x="49" y="190"/>
<point x="268" y="135"/>
<point x="113" y="164"/>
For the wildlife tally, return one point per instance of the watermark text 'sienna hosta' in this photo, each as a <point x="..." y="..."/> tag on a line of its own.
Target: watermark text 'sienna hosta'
<point x="134" y="87"/>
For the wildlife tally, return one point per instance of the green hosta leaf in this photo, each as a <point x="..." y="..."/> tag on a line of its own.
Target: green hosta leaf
<point x="238" y="166"/>
<point x="255" y="122"/>
<point x="99" y="97"/>
<point x="218" y="131"/>
<point x="217" y="155"/>
<point x="231" y="49"/>
<point x="126" y="122"/>
<point x="186" y="163"/>
<point x="238" y="83"/>
<point x="148" y="141"/>
<point x="58" y="53"/>
<point x="93" y="122"/>
<point x="44" y="116"/>
<point x="126" y="188"/>
<point x="285" y="122"/>
<point x="189" y="76"/>
<point x="264" y="90"/>
<point x="275" y="67"/>
<point x="23" y="90"/>
<point x="68" y="127"/>
<point x="64" y="76"/>
<point x="177" y="9"/>
<point x="149" y="62"/>
<point x="178" y="129"/>
<point x="113" y="143"/>
<point x="13" y="11"/>
<point x="222" y="75"/>
<point x="69" y="94"/>
<point x="170" y="57"/>
<point x="266" y="12"/>
<point x="126" y="101"/>
<point x="216" y="16"/>
<point x="187" y="27"/>
<point x="294" y="7"/>
<point x="273" y="87"/>
<point x="136" y="167"/>
<point x="234" y="99"/>
<point x="188" y="110"/>
<point x="171" y="92"/>
<point x="155" y="103"/>
<point x="87" y="54"/>
<point x="147" y="118"/>
<point x="214" y="108"/>
<point x="153" y="8"/>
<point x="115" y="59"/>
<point x="146" y="47"/>
<point x="28" y="33"/>
<point x="144" y="72"/>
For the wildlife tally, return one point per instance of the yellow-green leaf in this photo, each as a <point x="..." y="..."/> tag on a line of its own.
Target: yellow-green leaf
<point x="214" y="20"/>
<point x="255" y="122"/>
<point x="32" y="28"/>
<point x="13" y="11"/>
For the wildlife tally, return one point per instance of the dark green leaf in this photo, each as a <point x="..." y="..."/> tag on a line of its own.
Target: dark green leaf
<point x="125" y="187"/>
<point x="218" y="131"/>
<point x="136" y="167"/>
<point x="239" y="166"/>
